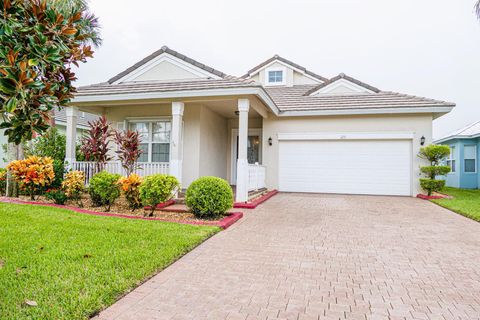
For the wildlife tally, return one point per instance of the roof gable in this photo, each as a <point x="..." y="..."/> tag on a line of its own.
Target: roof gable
<point x="287" y="63"/>
<point x="342" y="85"/>
<point x="166" y="64"/>
<point x="470" y="131"/>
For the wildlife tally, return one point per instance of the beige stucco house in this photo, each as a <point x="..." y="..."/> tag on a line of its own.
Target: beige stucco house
<point x="279" y="126"/>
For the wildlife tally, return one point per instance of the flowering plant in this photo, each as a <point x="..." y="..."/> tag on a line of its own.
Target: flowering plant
<point x="33" y="173"/>
<point x="74" y="185"/>
<point x="130" y="187"/>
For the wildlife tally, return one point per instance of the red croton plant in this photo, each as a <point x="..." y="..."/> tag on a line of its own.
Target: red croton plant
<point x="40" y="43"/>
<point x="129" y="151"/>
<point x="95" y="144"/>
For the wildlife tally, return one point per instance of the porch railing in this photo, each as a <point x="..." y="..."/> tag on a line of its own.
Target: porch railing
<point x="256" y="177"/>
<point x="144" y="168"/>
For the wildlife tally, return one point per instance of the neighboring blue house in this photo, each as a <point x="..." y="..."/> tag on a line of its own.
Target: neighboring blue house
<point x="465" y="145"/>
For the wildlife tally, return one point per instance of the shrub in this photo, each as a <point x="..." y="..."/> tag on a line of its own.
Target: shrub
<point x="130" y="186"/>
<point x="3" y="181"/>
<point x="95" y="144"/>
<point x="59" y="171"/>
<point x="57" y="196"/>
<point x="74" y="185"/>
<point x="129" y="151"/>
<point x="51" y="144"/>
<point x="432" y="185"/>
<point x="33" y="174"/>
<point x="156" y="189"/>
<point x="434" y="154"/>
<point x="104" y="189"/>
<point x="209" y="197"/>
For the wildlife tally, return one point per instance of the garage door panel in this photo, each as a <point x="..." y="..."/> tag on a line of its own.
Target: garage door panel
<point x="358" y="167"/>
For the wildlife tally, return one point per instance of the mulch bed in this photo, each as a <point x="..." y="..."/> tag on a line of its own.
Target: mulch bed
<point x="120" y="207"/>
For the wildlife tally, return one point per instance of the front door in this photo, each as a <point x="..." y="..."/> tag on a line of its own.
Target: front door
<point x="254" y="150"/>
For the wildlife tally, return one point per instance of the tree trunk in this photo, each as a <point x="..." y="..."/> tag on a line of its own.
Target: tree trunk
<point x="12" y="186"/>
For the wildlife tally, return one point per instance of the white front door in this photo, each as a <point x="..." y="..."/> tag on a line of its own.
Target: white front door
<point x="254" y="150"/>
<point x="378" y="167"/>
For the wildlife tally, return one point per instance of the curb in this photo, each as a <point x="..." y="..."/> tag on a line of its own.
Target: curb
<point x="224" y="223"/>
<point x="256" y="202"/>
<point x="425" y="197"/>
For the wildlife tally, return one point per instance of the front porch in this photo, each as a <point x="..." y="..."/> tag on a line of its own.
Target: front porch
<point x="187" y="139"/>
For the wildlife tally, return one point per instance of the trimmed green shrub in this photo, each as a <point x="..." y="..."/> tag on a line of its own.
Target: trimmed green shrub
<point x="434" y="154"/>
<point x="57" y="196"/>
<point x="433" y="171"/>
<point x="209" y="197"/>
<point x="104" y="189"/>
<point x="156" y="189"/>
<point x="59" y="170"/>
<point x="432" y="185"/>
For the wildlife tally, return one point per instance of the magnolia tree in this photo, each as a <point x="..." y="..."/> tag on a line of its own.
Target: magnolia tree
<point x="40" y="43"/>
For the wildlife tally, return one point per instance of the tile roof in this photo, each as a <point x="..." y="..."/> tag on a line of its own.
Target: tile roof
<point x="470" y="131"/>
<point x="295" y="99"/>
<point x="342" y="76"/>
<point x="286" y="61"/>
<point x="174" y="53"/>
<point x="106" y="88"/>
<point x="82" y="120"/>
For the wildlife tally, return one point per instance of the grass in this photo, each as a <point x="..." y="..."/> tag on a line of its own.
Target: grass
<point x="74" y="265"/>
<point x="465" y="202"/>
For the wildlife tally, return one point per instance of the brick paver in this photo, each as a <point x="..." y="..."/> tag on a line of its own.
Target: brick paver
<point x="323" y="257"/>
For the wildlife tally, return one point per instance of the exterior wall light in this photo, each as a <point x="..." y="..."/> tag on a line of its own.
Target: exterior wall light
<point x="422" y="140"/>
<point x="270" y="141"/>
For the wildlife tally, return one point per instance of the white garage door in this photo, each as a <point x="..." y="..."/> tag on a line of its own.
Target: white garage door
<point x="381" y="167"/>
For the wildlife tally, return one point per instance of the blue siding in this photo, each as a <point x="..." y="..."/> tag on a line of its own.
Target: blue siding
<point x="460" y="178"/>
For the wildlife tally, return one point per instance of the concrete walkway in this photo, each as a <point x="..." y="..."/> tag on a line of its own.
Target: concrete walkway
<point x="323" y="257"/>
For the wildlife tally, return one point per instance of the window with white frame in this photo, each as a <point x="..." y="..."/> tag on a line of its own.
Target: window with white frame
<point x="470" y="158"/>
<point x="275" y="76"/>
<point x="154" y="140"/>
<point x="451" y="159"/>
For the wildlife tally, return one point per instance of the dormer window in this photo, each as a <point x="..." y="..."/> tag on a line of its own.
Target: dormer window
<point x="275" y="76"/>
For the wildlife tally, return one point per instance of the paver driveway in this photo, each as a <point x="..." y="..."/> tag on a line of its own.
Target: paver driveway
<point x="323" y="257"/>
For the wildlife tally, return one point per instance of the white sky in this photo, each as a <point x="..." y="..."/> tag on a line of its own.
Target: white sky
<point x="423" y="47"/>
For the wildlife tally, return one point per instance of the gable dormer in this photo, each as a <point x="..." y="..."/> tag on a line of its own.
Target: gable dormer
<point x="342" y="85"/>
<point x="278" y="71"/>
<point x="166" y="65"/>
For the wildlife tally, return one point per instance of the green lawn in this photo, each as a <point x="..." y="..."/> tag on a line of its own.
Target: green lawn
<point x="74" y="265"/>
<point x="465" y="202"/>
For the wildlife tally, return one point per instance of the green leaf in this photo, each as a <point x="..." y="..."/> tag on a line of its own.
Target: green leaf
<point x="33" y="62"/>
<point x="11" y="105"/>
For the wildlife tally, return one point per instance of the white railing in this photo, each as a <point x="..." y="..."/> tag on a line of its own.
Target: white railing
<point x="256" y="177"/>
<point x="144" y="168"/>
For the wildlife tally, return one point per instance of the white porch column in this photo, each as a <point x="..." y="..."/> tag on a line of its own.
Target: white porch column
<point x="242" y="162"/>
<point x="71" y="134"/>
<point x="176" y="147"/>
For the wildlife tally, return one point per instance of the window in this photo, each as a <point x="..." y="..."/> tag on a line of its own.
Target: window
<point x="470" y="158"/>
<point x="275" y="76"/>
<point x="154" y="140"/>
<point x="451" y="159"/>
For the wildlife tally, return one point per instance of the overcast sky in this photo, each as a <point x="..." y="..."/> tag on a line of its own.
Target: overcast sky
<point x="423" y="47"/>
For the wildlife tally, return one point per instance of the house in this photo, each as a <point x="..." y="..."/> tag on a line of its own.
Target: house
<point x="464" y="145"/>
<point x="60" y="124"/>
<point x="280" y="126"/>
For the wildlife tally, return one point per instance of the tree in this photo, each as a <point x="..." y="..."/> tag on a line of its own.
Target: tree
<point x="41" y="42"/>
<point x="129" y="151"/>
<point x="477" y="9"/>
<point x="96" y="143"/>
<point x="434" y="154"/>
